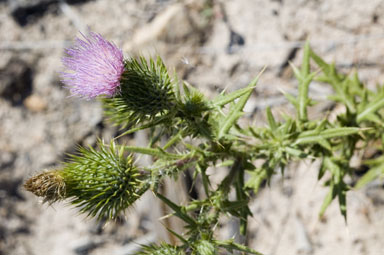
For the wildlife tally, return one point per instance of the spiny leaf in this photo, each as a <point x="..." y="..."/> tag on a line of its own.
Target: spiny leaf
<point x="369" y="176"/>
<point x="152" y="123"/>
<point x="318" y="137"/>
<point x="295" y="152"/>
<point x="233" y="116"/>
<point x="177" y="235"/>
<point x="205" y="179"/>
<point x="292" y="99"/>
<point x="342" y="195"/>
<point x="158" y="152"/>
<point x="224" y="99"/>
<point x="236" y="110"/>
<point x="271" y="119"/>
<point x="305" y="67"/>
<point x="174" y="139"/>
<point x="327" y="200"/>
<point x="370" y="109"/>
<point x="232" y="245"/>
<point x="255" y="180"/>
<point x="178" y="210"/>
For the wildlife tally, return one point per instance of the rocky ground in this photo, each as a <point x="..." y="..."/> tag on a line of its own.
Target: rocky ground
<point x="213" y="45"/>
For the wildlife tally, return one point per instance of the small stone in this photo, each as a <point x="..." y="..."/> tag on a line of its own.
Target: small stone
<point x="35" y="103"/>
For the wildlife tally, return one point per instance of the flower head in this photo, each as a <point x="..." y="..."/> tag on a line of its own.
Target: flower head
<point x="50" y="185"/>
<point x="94" y="67"/>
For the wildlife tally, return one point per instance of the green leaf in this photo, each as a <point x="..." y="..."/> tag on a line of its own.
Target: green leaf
<point x="370" y="109"/>
<point x="374" y="118"/>
<point x="234" y="207"/>
<point x="186" y="88"/>
<point x="337" y="187"/>
<point x="255" y="180"/>
<point x="327" y="200"/>
<point x="178" y="210"/>
<point x="304" y="77"/>
<point x="271" y="119"/>
<point x="322" y="170"/>
<point x="222" y="100"/>
<point x="174" y="139"/>
<point x="313" y="136"/>
<point x="333" y="167"/>
<point x="342" y="195"/>
<point x="236" y="110"/>
<point x="231" y="245"/>
<point x="369" y="176"/>
<point x="296" y="72"/>
<point x="228" y="162"/>
<point x="205" y="178"/>
<point x="303" y="100"/>
<point x="295" y="152"/>
<point x="177" y="235"/>
<point x="320" y="62"/>
<point x="305" y="67"/>
<point x="153" y="152"/>
<point x="336" y="80"/>
<point x="156" y="121"/>
<point x="231" y="119"/>
<point x="325" y="144"/>
<point x="292" y="99"/>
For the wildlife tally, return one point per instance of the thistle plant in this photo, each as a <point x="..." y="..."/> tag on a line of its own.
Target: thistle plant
<point x="140" y="94"/>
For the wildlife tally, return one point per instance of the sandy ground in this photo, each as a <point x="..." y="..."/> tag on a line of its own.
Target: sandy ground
<point x="213" y="45"/>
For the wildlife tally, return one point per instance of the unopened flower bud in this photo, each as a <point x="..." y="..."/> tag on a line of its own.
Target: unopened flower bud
<point x="146" y="90"/>
<point x="100" y="183"/>
<point x="204" y="247"/>
<point x="162" y="249"/>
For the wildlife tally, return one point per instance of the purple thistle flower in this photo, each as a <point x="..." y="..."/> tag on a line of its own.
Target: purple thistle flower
<point x="94" y="67"/>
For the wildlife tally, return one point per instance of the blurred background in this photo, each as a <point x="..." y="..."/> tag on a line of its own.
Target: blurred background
<point x="212" y="44"/>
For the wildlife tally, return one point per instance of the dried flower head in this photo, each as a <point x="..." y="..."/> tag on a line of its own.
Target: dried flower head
<point x="94" y="67"/>
<point x="50" y="185"/>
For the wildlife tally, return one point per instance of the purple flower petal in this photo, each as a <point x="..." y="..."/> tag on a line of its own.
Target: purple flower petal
<point x="93" y="67"/>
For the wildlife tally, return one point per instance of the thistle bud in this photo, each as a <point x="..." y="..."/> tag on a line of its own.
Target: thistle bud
<point x="204" y="247"/>
<point x="162" y="249"/>
<point x="101" y="183"/>
<point x="146" y="90"/>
